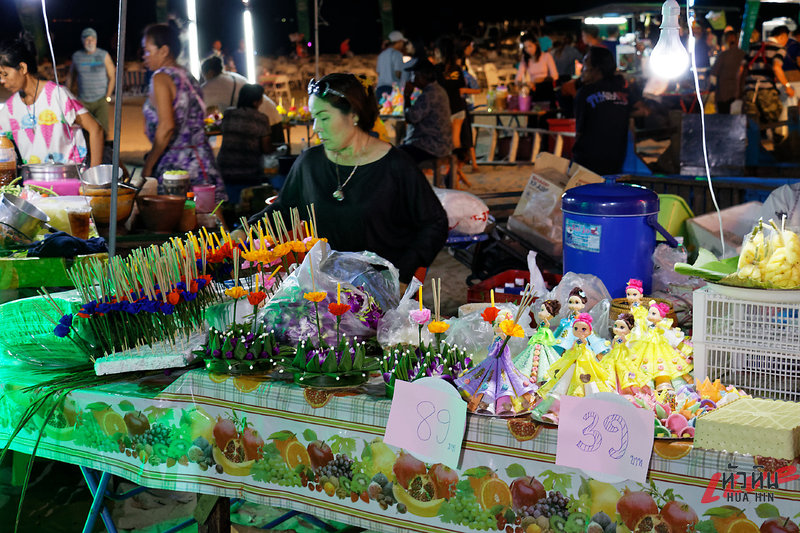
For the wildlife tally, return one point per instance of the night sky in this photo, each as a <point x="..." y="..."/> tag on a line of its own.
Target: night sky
<point x="275" y="19"/>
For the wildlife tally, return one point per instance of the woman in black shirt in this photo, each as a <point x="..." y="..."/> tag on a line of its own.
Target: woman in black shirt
<point x="367" y="194"/>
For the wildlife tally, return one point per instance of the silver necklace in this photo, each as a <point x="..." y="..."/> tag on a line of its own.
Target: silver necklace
<point x="338" y="194"/>
<point x="32" y="114"/>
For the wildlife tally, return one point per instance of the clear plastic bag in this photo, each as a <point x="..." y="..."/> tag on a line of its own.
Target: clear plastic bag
<point x="598" y="300"/>
<point x="664" y="259"/>
<point x="396" y="326"/>
<point x="475" y="335"/>
<point x="784" y="200"/>
<point x="537" y="280"/>
<point x="466" y="213"/>
<point x="366" y="280"/>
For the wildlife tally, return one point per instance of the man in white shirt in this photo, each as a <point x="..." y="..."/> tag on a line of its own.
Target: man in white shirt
<point x="221" y="91"/>
<point x="390" y="65"/>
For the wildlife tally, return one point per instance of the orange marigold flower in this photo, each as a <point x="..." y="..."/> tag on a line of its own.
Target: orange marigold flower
<point x="236" y="292"/>
<point x="338" y="309"/>
<point x="256" y="297"/>
<point x="316" y="296"/>
<point x="489" y="314"/>
<point x="281" y="250"/>
<point x="311" y="241"/>
<point x="258" y="256"/>
<point x="512" y="329"/>
<point x="297" y="246"/>
<point x="174" y="297"/>
<point x="437" y="326"/>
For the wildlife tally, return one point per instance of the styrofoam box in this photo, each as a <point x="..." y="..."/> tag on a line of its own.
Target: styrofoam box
<point x="737" y="221"/>
<point x="748" y="338"/>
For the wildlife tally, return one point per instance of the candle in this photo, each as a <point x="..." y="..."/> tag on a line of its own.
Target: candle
<point x="420" y="297"/>
<point x="338" y="293"/>
<point x="305" y="224"/>
<point x="492" y="291"/>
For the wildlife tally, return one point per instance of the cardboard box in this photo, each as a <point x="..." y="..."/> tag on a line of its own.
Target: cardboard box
<point x="703" y="230"/>
<point x="537" y="217"/>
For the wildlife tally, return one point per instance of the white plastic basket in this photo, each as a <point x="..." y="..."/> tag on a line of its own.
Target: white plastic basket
<point x="748" y="338"/>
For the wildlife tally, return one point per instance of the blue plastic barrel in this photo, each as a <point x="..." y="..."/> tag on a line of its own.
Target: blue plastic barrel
<point x="610" y="232"/>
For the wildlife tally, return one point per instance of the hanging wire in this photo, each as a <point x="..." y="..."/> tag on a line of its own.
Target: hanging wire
<point x="690" y="20"/>
<point x="55" y="68"/>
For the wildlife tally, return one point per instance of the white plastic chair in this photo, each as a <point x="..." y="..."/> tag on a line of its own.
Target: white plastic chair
<point x="490" y="71"/>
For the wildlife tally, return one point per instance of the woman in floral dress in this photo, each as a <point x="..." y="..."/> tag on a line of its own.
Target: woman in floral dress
<point x="174" y="113"/>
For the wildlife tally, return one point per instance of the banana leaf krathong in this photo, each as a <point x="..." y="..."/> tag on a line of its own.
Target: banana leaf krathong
<point x="410" y="363"/>
<point x="344" y="365"/>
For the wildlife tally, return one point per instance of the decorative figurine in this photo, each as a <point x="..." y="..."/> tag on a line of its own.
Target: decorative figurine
<point x="619" y="361"/>
<point x="537" y="357"/>
<point x="495" y="386"/>
<point x="654" y="355"/>
<point x="634" y="293"/>
<point x="577" y="372"/>
<point x="564" y="334"/>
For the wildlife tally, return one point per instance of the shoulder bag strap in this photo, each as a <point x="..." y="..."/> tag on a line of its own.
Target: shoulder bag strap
<point x="233" y="93"/>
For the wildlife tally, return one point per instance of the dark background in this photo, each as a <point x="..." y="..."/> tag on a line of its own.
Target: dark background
<point x="275" y="19"/>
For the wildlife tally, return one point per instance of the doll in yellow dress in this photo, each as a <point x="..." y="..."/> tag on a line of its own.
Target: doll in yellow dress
<point x="577" y="372"/>
<point x="619" y="362"/>
<point x="654" y="355"/>
<point x="634" y="293"/>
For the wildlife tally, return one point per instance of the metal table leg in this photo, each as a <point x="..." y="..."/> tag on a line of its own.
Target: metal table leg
<point x="98" y="491"/>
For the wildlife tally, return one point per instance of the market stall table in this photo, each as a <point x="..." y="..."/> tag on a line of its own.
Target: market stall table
<point x="161" y="431"/>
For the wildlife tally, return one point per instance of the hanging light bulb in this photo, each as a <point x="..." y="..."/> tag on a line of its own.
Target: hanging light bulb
<point x="669" y="58"/>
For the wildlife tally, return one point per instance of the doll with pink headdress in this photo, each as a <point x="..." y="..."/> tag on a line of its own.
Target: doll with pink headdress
<point x="654" y="355"/>
<point x="634" y="293"/>
<point x="577" y="372"/>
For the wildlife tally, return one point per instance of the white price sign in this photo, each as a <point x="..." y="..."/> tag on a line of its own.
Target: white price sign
<point x="427" y="419"/>
<point x="605" y="434"/>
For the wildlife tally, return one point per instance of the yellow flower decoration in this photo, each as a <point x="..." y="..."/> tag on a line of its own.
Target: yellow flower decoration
<point x="236" y="292"/>
<point x="311" y="242"/>
<point x="281" y="250"/>
<point x="512" y="329"/>
<point x="259" y="256"/>
<point x="297" y="246"/>
<point x="316" y="296"/>
<point x="437" y="326"/>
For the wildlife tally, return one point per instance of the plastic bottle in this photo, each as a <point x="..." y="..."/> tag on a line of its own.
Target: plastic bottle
<point x="189" y="216"/>
<point x="8" y="161"/>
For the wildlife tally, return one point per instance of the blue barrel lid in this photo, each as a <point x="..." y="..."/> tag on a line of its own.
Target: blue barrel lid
<point x="610" y="199"/>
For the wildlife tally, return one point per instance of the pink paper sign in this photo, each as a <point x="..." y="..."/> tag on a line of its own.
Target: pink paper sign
<point x="427" y="419"/>
<point x="605" y="434"/>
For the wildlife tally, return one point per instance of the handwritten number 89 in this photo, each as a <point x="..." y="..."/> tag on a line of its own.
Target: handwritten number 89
<point x="612" y="424"/>
<point x="426" y="410"/>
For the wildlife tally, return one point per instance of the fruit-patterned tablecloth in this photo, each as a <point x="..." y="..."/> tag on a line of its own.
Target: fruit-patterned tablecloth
<point x="275" y="443"/>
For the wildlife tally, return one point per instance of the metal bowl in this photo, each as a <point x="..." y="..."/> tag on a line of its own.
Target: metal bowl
<point x="23" y="216"/>
<point x="100" y="176"/>
<point x="49" y="172"/>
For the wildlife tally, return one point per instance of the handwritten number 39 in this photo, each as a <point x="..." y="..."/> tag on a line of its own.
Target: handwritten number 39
<point x="612" y="424"/>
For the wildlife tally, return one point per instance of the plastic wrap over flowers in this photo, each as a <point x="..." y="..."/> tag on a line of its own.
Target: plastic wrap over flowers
<point x="293" y="318"/>
<point x="472" y="333"/>
<point x="400" y="327"/>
